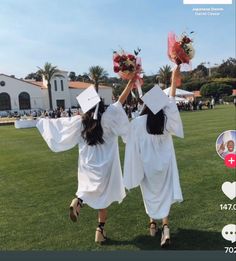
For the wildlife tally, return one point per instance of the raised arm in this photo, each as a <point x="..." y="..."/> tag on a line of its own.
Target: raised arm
<point x="126" y="91"/>
<point x="174" y="78"/>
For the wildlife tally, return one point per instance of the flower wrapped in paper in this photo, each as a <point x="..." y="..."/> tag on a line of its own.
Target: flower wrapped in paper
<point x="126" y="65"/>
<point x="180" y="49"/>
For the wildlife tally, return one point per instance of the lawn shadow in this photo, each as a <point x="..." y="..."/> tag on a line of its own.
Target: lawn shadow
<point x="182" y="239"/>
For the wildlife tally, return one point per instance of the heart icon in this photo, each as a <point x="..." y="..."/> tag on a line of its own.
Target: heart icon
<point x="229" y="189"/>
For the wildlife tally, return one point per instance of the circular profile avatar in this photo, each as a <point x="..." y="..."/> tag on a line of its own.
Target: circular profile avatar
<point x="226" y="143"/>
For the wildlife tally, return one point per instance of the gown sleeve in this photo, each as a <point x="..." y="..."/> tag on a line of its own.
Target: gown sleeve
<point x="133" y="168"/>
<point x="60" y="134"/>
<point x="117" y="120"/>
<point x="174" y="123"/>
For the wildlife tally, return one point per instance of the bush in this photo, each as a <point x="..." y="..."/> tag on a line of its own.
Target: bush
<point x="228" y="81"/>
<point x="196" y="84"/>
<point x="229" y="98"/>
<point x="216" y="90"/>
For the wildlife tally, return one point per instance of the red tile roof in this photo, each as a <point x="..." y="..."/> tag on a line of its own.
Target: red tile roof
<point x="40" y="84"/>
<point x="83" y="85"/>
<point x="72" y="84"/>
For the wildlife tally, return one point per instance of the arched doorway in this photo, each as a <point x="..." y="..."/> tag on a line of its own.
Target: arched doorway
<point x="5" y="101"/>
<point x="24" y="101"/>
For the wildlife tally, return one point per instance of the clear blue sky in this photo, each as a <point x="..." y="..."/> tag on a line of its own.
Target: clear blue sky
<point x="75" y="34"/>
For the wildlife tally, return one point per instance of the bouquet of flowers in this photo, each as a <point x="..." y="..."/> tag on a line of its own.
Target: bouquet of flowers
<point x="126" y="65"/>
<point x="180" y="50"/>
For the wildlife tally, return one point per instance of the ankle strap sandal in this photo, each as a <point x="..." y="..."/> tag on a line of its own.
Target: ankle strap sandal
<point x="153" y="228"/>
<point x="152" y="223"/>
<point x="80" y="202"/>
<point x="100" y="235"/>
<point x="165" y="237"/>
<point x="75" y="206"/>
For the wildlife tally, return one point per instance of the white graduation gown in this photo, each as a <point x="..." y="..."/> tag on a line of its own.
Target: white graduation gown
<point x="99" y="172"/>
<point x="151" y="164"/>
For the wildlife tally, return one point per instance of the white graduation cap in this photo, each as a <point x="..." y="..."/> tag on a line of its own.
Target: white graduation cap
<point x="88" y="99"/>
<point x="155" y="99"/>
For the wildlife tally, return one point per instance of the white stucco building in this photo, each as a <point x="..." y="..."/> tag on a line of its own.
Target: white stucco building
<point x="21" y="95"/>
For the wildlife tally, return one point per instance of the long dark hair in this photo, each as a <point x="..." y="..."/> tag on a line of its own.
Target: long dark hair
<point x="93" y="132"/>
<point x="155" y="122"/>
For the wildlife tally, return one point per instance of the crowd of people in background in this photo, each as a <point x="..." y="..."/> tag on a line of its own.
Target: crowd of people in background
<point x="134" y="107"/>
<point x="196" y="105"/>
<point x="59" y="112"/>
<point x="34" y="114"/>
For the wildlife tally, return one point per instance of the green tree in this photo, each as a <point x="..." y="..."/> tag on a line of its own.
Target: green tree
<point x="147" y="87"/>
<point x="164" y="75"/>
<point x="72" y="76"/>
<point x="200" y="72"/>
<point x="97" y="74"/>
<point x="83" y="78"/>
<point x="227" y="68"/>
<point x="117" y="89"/>
<point x="34" y="76"/>
<point x="193" y="85"/>
<point x="48" y="72"/>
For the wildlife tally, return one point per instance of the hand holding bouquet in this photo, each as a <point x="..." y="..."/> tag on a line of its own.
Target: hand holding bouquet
<point x="129" y="66"/>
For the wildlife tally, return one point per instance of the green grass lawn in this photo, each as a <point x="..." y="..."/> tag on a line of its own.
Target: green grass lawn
<point x="37" y="186"/>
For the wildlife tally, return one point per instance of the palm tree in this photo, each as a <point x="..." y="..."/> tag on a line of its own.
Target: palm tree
<point x="164" y="75"/>
<point x="96" y="74"/>
<point x="48" y="71"/>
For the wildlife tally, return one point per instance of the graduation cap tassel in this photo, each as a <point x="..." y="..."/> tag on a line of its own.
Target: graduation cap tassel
<point x="140" y="91"/>
<point x="138" y="85"/>
<point x="133" y="95"/>
<point x="95" y="115"/>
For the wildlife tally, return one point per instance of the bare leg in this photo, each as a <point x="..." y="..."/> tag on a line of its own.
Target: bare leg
<point x="102" y="215"/>
<point x="100" y="235"/>
<point x="165" y="221"/>
<point x="165" y="238"/>
<point x="152" y="220"/>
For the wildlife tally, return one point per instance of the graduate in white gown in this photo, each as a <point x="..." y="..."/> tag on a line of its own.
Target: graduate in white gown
<point x="150" y="156"/>
<point x="99" y="172"/>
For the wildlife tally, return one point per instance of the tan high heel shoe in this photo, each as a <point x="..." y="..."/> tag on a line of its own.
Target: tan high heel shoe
<point x="153" y="228"/>
<point x="75" y="206"/>
<point x="100" y="235"/>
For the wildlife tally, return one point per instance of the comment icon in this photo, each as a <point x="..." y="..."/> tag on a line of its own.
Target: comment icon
<point x="229" y="232"/>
